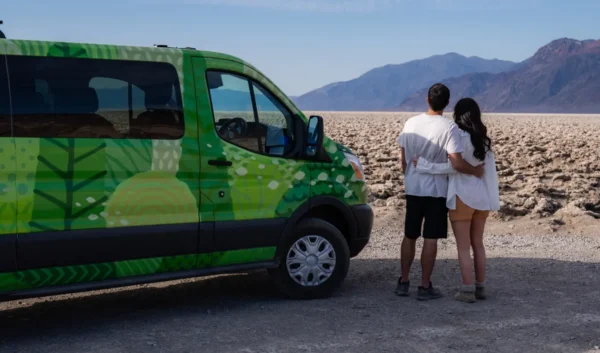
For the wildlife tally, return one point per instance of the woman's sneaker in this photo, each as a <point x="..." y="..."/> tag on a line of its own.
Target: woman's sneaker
<point x="429" y="293"/>
<point x="465" y="296"/>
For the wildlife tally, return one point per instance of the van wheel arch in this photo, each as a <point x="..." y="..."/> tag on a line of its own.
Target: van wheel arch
<point x="326" y="208"/>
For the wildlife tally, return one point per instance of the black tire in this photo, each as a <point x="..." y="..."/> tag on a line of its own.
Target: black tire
<point x="288" y="286"/>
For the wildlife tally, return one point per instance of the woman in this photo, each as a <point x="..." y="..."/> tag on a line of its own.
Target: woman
<point x="469" y="199"/>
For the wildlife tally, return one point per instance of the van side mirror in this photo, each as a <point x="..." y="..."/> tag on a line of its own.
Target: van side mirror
<point x="314" y="136"/>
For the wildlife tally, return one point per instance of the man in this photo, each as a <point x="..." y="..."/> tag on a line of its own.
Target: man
<point x="435" y="138"/>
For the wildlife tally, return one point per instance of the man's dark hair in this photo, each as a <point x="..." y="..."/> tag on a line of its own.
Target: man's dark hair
<point x="439" y="97"/>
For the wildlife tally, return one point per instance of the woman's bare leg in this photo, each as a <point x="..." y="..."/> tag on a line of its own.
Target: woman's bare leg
<point x="477" y="229"/>
<point x="462" y="233"/>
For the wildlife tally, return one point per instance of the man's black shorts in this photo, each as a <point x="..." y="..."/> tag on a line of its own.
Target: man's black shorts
<point x="431" y="209"/>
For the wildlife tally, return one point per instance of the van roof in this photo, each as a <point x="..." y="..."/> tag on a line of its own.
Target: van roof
<point x="158" y="53"/>
<point x="33" y="44"/>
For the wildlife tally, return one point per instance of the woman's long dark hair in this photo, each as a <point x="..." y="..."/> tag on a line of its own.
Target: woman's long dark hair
<point x="467" y="116"/>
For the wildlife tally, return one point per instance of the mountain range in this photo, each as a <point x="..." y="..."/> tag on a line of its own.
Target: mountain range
<point x="385" y="87"/>
<point x="561" y="77"/>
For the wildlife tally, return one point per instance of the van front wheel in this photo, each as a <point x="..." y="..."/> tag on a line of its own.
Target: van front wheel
<point x="314" y="261"/>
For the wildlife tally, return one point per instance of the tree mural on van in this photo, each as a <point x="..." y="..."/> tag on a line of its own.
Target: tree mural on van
<point x="154" y="197"/>
<point x="67" y="51"/>
<point x="298" y="194"/>
<point x="72" y="194"/>
<point x="124" y="159"/>
<point x="258" y="182"/>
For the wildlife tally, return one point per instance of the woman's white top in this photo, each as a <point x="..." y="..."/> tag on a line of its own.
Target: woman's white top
<point x="481" y="194"/>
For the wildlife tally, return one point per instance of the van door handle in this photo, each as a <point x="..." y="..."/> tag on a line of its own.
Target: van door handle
<point x="220" y="162"/>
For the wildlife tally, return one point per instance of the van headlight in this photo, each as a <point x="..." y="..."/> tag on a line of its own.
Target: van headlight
<point x="359" y="173"/>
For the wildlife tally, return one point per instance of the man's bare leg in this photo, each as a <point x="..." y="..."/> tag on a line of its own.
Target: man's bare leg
<point x="428" y="256"/>
<point x="407" y="256"/>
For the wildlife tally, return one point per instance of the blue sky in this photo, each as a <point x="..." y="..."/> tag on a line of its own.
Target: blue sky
<point x="305" y="44"/>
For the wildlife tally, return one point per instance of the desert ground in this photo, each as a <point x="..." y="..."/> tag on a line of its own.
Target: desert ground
<point x="543" y="271"/>
<point x="548" y="166"/>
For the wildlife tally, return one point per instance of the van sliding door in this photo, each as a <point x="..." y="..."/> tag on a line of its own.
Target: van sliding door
<point x="111" y="181"/>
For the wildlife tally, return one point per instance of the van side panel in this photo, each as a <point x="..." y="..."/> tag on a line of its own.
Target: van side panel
<point x="8" y="179"/>
<point x="106" y="188"/>
<point x="112" y="163"/>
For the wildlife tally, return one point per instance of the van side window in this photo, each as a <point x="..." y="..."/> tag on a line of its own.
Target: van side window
<point x="41" y="87"/>
<point x="113" y="101"/>
<point x="276" y="119"/>
<point x="90" y="98"/>
<point x="5" y="128"/>
<point x="233" y="111"/>
<point x="248" y="115"/>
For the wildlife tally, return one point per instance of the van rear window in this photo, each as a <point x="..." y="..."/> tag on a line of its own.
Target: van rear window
<point x="91" y="98"/>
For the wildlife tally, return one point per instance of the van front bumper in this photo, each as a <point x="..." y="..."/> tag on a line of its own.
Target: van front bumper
<point x="364" y="221"/>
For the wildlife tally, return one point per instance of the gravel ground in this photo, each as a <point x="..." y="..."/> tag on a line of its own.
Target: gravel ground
<point x="545" y="297"/>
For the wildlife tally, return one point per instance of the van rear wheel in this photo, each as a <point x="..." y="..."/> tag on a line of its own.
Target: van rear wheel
<point x="314" y="261"/>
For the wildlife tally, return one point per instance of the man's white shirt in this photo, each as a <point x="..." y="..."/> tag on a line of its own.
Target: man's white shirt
<point x="432" y="137"/>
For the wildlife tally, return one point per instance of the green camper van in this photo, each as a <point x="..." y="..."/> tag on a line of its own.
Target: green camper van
<point x="125" y="165"/>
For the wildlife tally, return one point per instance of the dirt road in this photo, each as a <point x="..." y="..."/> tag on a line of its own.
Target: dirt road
<point x="545" y="297"/>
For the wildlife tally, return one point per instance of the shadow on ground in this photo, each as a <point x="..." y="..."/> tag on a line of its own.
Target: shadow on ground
<point x="535" y="305"/>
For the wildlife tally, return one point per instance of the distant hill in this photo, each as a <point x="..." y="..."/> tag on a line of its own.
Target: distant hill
<point x="384" y="88"/>
<point x="562" y="77"/>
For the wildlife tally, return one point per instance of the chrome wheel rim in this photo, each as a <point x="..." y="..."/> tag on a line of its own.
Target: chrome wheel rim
<point x="311" y="260"/>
